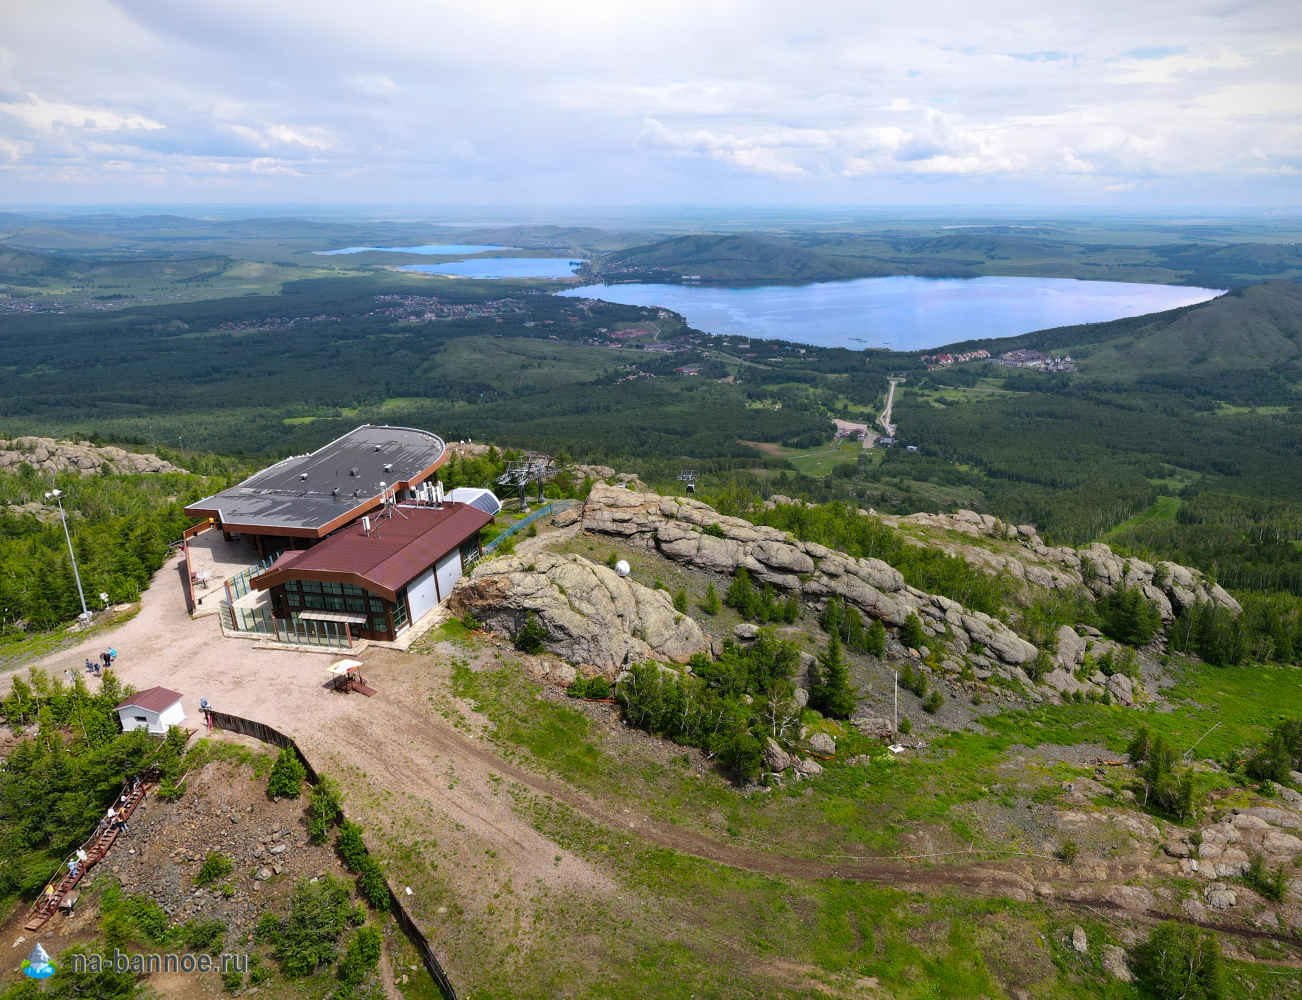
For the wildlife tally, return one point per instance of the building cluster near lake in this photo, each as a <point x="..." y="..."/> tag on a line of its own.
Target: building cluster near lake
<point x="946" y="360"/>
<point x="1035" y="361"/>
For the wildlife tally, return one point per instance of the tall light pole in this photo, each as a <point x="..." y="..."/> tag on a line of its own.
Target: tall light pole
<point x="895" y="726"/>
<point x="57" y="497"/>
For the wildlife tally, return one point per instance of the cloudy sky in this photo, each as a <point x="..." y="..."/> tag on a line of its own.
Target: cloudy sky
<point x="1140" y="104"/>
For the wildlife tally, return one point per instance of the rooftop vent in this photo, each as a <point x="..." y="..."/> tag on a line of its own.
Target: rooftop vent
<point x="377" y="447"/>
<point x="334" y="492"/>
<point x="302" y="475"/>
<point x="353" y="471"/>
<point x="388" y="466"/>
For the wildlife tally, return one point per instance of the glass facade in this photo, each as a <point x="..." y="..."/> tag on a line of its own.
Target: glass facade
<point x="382" y="617"/>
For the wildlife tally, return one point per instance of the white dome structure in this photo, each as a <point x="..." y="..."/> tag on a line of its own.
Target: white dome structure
<point x="622" y="567"/>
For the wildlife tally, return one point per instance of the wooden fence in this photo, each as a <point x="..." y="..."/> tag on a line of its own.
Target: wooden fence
<point x="266" y="734"/>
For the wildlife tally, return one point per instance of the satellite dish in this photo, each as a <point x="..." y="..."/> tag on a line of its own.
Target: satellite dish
<point x="622" y="567"/>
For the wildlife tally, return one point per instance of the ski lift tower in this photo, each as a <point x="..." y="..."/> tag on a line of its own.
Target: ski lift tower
<point x="519" y="475"/>
<point x="688" y="478"/>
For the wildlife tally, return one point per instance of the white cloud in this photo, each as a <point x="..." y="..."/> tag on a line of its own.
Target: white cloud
<point x="38" y="113"/>
<point x="704" y="99"/>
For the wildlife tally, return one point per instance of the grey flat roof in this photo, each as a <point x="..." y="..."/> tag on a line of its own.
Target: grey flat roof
<point x="309" y="492"/>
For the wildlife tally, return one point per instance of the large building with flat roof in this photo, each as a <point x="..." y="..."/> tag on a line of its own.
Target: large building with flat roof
<point x="354" y="540"/>
<point x="380" y="574"/>
<point x="300" y="500"/>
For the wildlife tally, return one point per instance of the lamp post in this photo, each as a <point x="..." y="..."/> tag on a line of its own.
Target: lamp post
<point x="57" y="497"/>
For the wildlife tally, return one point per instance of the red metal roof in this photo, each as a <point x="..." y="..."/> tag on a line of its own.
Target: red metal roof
<point x="398" y="549"/>
<point x="154" y="699"/>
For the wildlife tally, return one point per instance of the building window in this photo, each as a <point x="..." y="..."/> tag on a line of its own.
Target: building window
<point x="311" y="586"/>
<point x="377" y="604"/>
<point x="379" y="624"/>
<point x="355" y="603"/>
<point x="331" y="588"/>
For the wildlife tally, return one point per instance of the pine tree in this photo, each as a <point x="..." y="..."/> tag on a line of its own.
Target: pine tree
<point x="711" y="603"/>
<point x="833" y="695"/>
<point x="875" y="640"/>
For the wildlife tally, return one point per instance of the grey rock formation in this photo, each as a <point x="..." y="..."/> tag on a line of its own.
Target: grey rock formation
<point x="1025" y="556"/>
<point x="1114" y="963"/>
<point x="874" y="726"/>
<point x="49" y="455"/>
<point x="592" y="616"/>
<point x="822" y="743"/>
<point x="693" y="533"/>
<point x="775" y="758"/>
<point x="1079" y="942"/>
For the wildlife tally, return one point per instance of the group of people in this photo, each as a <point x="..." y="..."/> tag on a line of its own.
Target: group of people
<point x="106" y="660"/>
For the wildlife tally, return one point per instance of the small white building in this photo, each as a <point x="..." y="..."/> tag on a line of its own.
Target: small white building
<point x="154" y="710"/>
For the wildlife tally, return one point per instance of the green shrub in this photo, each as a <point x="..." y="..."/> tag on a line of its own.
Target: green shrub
<point x="287" y="774"/>
<point x="215" y="866"/>
<point x="680" y="601"/>
<point x="350" y="846"/>
<point x="931" y="704"/>
<point x="1069" y="852"/>
<point x="323" y="809"/>
<point x="1271" y="884"/>
<point x="531" y="636"/>
<point x="589" y="687"/>
<point x="361" y="956"/>
<point x="906" y="725"/>
<point x="911" y="634"/>
<point x="371" y="884"/>
<point x="203" y="935"/>
<point x="130" y="918"/>
<point x="258" y="971"/>
<point x="1179" y="962"/>
<point x="232" y="980"/>
<point x="714" y="531"/>
<point x="308" y="936"/>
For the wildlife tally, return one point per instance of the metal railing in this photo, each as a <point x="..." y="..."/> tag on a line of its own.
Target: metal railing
<point x="554" y="507"/>
<point x="238" y="585"/>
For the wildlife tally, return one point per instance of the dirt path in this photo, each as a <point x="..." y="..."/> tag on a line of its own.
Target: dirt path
<point x="885" y="418"/>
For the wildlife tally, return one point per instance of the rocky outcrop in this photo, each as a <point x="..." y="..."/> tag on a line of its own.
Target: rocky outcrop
<point x="1023" y="555"/>
<point x="593" y="617"/>
<point x="49" y="455"/>
<point x="690" y="532"/>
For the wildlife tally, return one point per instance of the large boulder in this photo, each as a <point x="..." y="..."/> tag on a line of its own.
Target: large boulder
<point x="1070" y="648"/>
<point x="592" y="616"/>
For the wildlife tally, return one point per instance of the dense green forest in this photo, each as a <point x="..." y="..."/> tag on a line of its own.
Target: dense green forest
<point x="121" y="527"/>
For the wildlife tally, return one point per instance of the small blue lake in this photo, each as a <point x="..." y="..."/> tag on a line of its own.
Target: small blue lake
<point x="427" y="248"/>
<point x="902" y="313"/>
<point x="500" y="267"/>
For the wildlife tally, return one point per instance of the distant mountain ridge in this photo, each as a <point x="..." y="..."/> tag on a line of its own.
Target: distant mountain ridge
<point x="734" y="258"/>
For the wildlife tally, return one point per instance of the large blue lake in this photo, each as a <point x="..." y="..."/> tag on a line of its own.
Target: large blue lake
<point x="902" y="313"/>
<point x="500" y="267"/>
<point x="427" y="248"/>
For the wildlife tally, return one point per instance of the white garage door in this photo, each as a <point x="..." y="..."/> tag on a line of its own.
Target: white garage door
<point x="421" y="595"/>
<point x="449" y="572"/>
